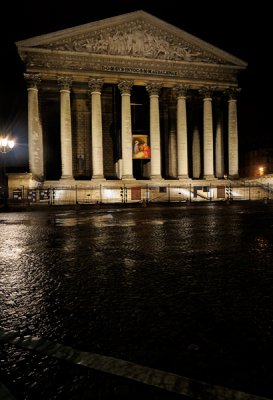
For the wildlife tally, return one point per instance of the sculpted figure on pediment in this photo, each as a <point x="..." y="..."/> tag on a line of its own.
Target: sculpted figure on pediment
<point x="136" y="39"/>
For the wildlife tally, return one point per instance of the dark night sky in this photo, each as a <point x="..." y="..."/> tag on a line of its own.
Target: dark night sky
<point x="239" y="29"/>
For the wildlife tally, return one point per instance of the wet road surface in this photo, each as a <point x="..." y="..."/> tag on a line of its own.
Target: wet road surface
<point x="186" y="290"/>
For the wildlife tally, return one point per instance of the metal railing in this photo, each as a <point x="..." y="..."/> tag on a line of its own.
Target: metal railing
<point x="149" y="193"/>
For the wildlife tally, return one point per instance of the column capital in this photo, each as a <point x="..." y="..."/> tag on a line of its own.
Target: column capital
<point x="181" y="90"/>
<point x="32" y="80"/>
<point x="232" y="93"/>
<point x="207" y="91"/>
<point x="125" y="87"/>
<point x="95" y="84"/>
<point x="154" y="88"/>
<point x="64" y="82"/>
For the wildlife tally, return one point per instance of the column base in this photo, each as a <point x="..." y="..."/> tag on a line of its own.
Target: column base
<point x="209" y="177"/>
<point x="156" y="177"/>
<point x="182" y="177"/>
<point x="128" y="177"/>
<point x="235" y="176"/>
<point x="98" y="178"/>
<point x="67" y="177"/>
<point x="38" y="177"/>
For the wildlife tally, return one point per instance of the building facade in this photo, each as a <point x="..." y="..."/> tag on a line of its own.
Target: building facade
<point x="129" y="98"/>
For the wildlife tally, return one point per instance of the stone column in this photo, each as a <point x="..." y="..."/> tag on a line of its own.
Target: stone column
<point x="125" y="88"/>
<point x="171" y="154"/>
<point x="81" y="120"/>
<point x="196" y="154"/>
<point x="233" y="150"/>
<point x="95" y="86"/>
<point x="35" y="134"/>
<point x="219" y="148"/>
<point x="182" y="135"/>
<point x="66" y="130"/>
<point x="208" y="133"/>
<point x="153" y="90"/>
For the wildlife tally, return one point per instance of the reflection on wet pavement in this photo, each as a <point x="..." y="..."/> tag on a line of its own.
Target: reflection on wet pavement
<point x="187" y="290"/>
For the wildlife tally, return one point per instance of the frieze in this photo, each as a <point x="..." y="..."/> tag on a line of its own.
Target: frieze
<point x="53" y="62"/>
<point x="136" y="38"/>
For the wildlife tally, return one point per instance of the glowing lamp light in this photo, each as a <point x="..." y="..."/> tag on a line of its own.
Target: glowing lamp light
<point x="6" y="144"/>
<point x="261" y="171"/>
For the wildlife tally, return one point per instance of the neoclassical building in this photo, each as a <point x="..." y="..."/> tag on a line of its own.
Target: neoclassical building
<point x="130" y="98"/>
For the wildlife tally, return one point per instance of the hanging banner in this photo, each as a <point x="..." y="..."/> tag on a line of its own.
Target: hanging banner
<point x="141" y="147"/>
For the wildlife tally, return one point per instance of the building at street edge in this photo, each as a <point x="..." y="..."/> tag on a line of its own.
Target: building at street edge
<point x="125" y="99"/>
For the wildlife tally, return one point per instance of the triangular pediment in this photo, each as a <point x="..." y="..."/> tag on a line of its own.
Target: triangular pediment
<point x="136" y="35"/>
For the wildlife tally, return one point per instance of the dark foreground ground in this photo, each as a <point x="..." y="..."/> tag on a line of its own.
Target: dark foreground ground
<point x="182" y="289"/>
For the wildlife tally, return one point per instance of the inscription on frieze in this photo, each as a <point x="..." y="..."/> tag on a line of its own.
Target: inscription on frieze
<point x="149" y="71"/>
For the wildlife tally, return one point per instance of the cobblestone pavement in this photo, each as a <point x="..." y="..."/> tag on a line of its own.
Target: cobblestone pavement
<point x="182" y="289"/>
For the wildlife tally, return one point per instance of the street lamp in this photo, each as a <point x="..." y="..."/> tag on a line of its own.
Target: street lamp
<point x="261" y="171"/>
<point x="6" y="145"/>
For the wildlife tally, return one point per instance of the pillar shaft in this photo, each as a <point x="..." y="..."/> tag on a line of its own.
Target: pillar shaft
<point x="219" y="150"/>
<point x="196" y="154"/>
<point x="66" y="131"/>
<point x="208" y="135"/>
<point x="96" y="123"/>
<point x="126" y="129"/>
<point x="35" y="134"/>
<point x="233" y="156"/>
<point x="153" y="90"/>
<point x="182" y="139"/>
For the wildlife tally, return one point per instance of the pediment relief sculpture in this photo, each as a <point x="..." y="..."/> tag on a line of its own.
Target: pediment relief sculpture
<point x="136" y="39"/>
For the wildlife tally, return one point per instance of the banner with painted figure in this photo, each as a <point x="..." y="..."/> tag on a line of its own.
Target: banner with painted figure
<point x="141" y="147"/>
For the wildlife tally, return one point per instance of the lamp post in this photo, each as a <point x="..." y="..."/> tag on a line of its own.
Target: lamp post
<point x="6" y="145"/>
